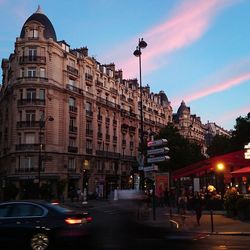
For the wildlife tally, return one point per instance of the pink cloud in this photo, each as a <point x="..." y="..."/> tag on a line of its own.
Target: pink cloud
<point x="187" y="24"/>
<point x="243" y="111"/>
<point x="219" y="87"/>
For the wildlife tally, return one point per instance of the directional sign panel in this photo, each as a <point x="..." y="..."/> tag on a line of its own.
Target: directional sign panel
<point x="157" y="151"/>
<point x="158" y="159"/>
<point x="151" y="168"/>
<point x="157" y="143"/>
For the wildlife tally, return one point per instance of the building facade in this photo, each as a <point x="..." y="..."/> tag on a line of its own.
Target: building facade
<point x="65" y="117"/>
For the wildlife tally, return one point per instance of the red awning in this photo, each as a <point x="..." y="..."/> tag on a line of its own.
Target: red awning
<point x="235" y="159"/>
<point x="241" y="172"/>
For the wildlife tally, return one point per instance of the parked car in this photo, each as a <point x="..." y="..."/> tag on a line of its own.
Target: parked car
<point x="38" y="225"/>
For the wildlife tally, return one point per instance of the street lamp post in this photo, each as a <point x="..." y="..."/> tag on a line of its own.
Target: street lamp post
<point x="42" y="122"/>
<point x="141" y="45"/>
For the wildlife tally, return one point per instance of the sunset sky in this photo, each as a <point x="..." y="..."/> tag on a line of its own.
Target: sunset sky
<point x="198" y="50"/>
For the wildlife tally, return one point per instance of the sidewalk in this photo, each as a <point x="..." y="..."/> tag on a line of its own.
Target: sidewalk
<point x="222" y="225"/>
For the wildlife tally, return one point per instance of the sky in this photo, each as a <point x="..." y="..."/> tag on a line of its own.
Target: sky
<point x="198" y="50"/>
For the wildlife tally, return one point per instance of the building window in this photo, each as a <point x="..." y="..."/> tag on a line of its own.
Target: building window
<point x="19" y="138"/>
<point x="88" y="106"/>
<point x="42" y="72"/>
<point x="30" y="138"/>
<point x="89" y="144"/>
<point x="30" y="115"/>
<point x="72" y="141"/>
<point x="21" y="94"/>
<point x="33" y="33"/>
<point x="32" y="54"/>
<point x="22" y="72"/>
<point x="42" y="94"/>
<point x="31" y="94"/>
<point x="72" y="102"/>
<point x="72" y="82"/>
<point x="88" y="125"/>
<point x="31" y="72"/>
<point x="71" y="164"/>
<point x="72" y="122"/>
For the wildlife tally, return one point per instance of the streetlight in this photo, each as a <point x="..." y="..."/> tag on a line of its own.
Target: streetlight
<point x="220" y="167"/>
<point x="42" y="123"/>
<point x="141" y="45"/>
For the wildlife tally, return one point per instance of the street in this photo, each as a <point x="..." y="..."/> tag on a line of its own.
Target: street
<point x="116" y="227"/>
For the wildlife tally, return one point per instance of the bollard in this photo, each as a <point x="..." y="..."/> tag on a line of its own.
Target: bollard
<point x="212" y="220"/>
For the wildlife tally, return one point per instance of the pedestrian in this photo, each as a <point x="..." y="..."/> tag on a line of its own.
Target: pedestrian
<point x="166" y="197"/>
<point x="161" y="196"/>
<point x="197" y="206"/>
<point x="182" y="203"/>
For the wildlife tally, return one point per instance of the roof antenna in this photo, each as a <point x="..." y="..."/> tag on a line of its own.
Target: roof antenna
<point x="39" y="10"/>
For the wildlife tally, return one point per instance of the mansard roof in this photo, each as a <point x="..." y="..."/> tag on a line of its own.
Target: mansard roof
<point x="39" y="16"/>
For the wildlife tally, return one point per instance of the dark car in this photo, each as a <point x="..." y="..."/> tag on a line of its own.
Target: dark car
<point x="39" y="225"/>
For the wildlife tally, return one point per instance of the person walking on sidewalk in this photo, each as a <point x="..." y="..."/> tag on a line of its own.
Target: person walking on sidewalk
<point x="197" y="206"/>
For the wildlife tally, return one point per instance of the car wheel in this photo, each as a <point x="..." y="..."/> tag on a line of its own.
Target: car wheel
<point x="39" y="241"/>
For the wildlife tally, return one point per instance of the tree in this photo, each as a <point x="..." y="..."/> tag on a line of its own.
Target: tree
<point x="220" y="145"/>
<point x="182" y="152"/>
<point x="241" y="134"/>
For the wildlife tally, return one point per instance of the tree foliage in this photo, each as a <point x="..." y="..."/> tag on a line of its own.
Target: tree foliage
<point x="182" y="152"/>
<point x="240" y="137"/>
<point x="219" y="145"/>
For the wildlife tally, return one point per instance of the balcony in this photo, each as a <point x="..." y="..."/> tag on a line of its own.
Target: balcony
<point x="89" y="151"/>
<point x="28" y="124"/>
<point x="114" y="91"/>
<point x="88" y="78"/>
<point x="72" y="129"/>
<point x="89" y="113"/>
<point x="73" y="89"/>
<point x="107" y="137"/>
<point x="29" y="147"/>
<point x="130" y="100"/>
<point x="123" y="97"/>
<point x="32" y="59"/>
<point x="32" y="79"/>
<point x="29" y="170"/>
<point x="99" y="83"/>
<point x="72" y="70"/>
<point x="132" y="130"/>
<point x="73" y="109"/>
<point x="99" y="135"/>
<point x="25" y="102"/>
<point x="106" y="102"/>
<point x="107" y="120"/>
<point x="108" y="154"/>
<point x="72" y="149"/>
<point x="89" y="132"/>
<point x="99" y="118"/>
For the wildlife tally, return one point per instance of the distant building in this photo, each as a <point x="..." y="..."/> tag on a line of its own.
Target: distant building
<point x="212" y="129"/>
<point x="190" y="126"/>
<point x="64" y="116"/>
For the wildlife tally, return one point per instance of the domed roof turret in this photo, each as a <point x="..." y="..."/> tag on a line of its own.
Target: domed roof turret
<point x="183" y="108"/>
<point x="40" y="17"/>
<point x="163" y="97"/>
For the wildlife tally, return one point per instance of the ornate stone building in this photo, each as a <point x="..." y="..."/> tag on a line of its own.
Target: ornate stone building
<point x="65" y="117"/>
<point x="190" y="126"/>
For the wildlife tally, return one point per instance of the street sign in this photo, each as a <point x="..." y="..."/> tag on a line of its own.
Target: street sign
<point x="157" y="143"/>
<point x="151" y="168"/>
<point x="158" y="159"/>
<point x="157" y="151"/>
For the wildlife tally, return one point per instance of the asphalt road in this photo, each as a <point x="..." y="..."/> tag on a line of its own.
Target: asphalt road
<point x="115" y="228"/>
